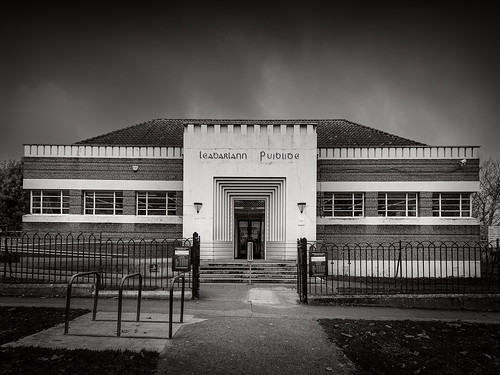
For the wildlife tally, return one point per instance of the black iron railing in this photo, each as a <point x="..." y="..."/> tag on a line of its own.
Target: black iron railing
<point x="408" y="267"/>
<point x="55" y="257"/>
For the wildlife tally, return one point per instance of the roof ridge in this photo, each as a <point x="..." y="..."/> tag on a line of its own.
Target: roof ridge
<point x="380" y="131"/>
<point x="115" y="131"/>
<point x="169" y="132"/>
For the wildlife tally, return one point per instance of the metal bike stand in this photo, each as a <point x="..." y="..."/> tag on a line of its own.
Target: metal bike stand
<point x="120" y="300"/>
<point x="171" y="306"/>
<point x="68" y="295"/>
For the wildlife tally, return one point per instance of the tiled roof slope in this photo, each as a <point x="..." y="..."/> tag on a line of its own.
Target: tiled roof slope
<point x="169" y="132"/>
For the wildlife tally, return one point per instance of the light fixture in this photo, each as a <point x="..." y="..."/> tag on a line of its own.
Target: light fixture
<point x="198" y="205"/>
<point x="135" y="168"/>
<point x="301" y="205"/>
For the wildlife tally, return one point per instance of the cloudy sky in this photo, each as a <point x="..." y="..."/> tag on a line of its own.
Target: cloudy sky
<point x="425" y="72"/>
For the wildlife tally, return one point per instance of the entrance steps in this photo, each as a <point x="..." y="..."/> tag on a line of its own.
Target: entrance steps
<point x="263" y="272"/>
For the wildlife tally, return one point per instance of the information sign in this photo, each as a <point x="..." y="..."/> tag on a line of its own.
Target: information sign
<point x="318" y="264"/>
<point x="182" y="259"/>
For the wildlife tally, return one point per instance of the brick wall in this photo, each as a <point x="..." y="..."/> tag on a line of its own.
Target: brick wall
<point x="103" y="169"/>
<point x="108" y="229"/>
<point x="397" y="170"/>
<point x="395" y="233"/>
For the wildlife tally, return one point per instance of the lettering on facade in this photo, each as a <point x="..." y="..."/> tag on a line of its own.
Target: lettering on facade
<point x="224" y="155"/>
<point x="263" y="156"/>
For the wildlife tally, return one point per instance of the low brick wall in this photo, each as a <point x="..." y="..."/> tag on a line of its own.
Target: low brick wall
<point x="473" y="302"/>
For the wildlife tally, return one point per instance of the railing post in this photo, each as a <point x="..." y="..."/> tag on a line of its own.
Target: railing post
<point x="195" y="262"/>
<point x="303" y="271"/>
<point x="7" y="259"/>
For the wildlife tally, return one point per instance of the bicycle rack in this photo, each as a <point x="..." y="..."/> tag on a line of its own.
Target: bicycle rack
<point x="171" y="307"/>
<point x="68" y="295"/>
<point x="120" y="300"/>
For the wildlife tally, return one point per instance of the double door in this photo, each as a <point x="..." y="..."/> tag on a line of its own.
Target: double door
<point x="250" y="230"/>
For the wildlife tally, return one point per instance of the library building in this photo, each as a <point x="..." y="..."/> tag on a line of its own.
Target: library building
<point x="254" y="185"/>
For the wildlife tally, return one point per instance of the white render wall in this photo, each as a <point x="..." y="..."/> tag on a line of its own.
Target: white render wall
<point x="252" y="154"/>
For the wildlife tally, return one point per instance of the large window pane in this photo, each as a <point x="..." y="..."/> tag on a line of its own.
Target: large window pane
<point x="154" y="203"/>
<point x="50" y="202"/>
<point x="103" y="203"/>
<point x="451" y="204"/>
<point x="397" y="204"/>
<point x="340" y="204"/>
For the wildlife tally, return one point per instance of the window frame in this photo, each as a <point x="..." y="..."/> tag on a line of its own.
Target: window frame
<point x="385" y="211"/>
<point x="437" y="209"/>
<point x="114" y="208"/>
<point x="171" y="199"/>
<point x="61" y="200"/>
<point x="334" y="209"/>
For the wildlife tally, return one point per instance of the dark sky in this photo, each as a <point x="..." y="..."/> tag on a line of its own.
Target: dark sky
<point x="425" y="72"/>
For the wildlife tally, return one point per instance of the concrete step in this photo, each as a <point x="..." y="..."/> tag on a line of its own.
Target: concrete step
<point x="254" y="281"/>
<point x="239" y="272"/>
<point x="245" y="272"/>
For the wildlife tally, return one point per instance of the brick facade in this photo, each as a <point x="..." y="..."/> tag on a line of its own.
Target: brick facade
<point x="397" y="170"/>
<point x="108" y="230"/>
<point x="394" y="233"/>
<point x="103" y="169"/>
<point x="328" y="170"/>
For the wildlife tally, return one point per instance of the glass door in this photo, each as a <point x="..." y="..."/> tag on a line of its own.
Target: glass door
<point x="250" y="230"/>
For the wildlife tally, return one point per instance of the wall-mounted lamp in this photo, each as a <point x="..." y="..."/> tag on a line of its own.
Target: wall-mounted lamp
<point x="198" y="205"/>
<point x="135" y="168"/>
<point x="301" y="205"/>
<point x="462" y="163"/>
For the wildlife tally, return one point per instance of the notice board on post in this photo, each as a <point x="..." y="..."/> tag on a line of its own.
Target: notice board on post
<point x="318" y="264"/>
<point x="181" y="260"/>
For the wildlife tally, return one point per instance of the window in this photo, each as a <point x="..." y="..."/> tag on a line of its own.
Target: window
<point x="158" y="203"/>
<point x="340" y="204"/>
<point x="397" y="204"/>
<point x="103" y="203"/>
<point x="451" y="204"/>
<point x="49" y="202"/>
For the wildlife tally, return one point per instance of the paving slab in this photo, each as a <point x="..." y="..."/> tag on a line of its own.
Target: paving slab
<point x="150" y="333"/>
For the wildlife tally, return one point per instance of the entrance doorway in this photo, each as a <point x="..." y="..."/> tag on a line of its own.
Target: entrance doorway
<point x="250" y="224"/>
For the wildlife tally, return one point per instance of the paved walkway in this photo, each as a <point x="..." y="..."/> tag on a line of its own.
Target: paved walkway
<point x="232" y="328"/>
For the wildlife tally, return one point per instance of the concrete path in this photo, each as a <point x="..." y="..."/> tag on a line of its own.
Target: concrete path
<point x="235" y="328"/>
<point x="150" y="333"/>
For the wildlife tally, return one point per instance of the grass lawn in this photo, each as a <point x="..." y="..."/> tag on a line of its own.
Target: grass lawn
<point x="17" y="322"/>
<point x="409" y="347"/>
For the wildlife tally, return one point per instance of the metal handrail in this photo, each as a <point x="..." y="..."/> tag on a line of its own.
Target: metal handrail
<point x="171" y="306"/>
<point x="68" y="295"/>
<point x="120" y="300"/>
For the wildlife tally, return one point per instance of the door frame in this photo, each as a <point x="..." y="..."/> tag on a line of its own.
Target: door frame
<point x="262" y="217"/>
<point x="250" y="219"/>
